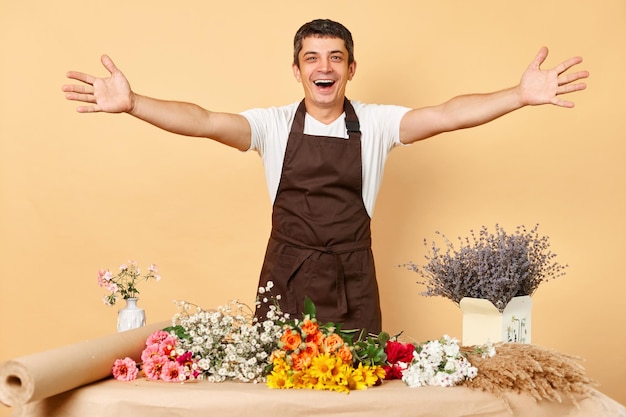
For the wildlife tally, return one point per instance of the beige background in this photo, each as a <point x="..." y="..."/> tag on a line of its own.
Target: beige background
<point x="83" y="192"/>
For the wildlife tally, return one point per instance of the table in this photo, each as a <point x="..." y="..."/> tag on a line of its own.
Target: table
<point x="143" y="397"/>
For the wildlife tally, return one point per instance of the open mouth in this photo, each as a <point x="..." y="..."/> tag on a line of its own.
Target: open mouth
<point x="324" y="83"/>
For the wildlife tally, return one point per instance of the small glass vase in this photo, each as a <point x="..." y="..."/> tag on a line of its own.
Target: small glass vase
<point x="131" y="316"/>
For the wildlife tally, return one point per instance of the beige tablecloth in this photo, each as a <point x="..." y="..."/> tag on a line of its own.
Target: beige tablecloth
<point x="200" y="399"/>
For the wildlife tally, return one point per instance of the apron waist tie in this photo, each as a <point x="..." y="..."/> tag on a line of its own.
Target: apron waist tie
<point x="336" y="251"/>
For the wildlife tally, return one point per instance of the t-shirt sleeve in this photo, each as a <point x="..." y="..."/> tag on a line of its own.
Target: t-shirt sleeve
<point x="258" y="125"/>
<point x="391" y="116"/>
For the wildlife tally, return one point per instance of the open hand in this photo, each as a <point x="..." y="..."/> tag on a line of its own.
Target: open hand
<point x="111" y="95"/>
<point x="545" y="86"/>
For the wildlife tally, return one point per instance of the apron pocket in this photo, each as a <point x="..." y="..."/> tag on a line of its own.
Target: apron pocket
<point x="319" y="281"/>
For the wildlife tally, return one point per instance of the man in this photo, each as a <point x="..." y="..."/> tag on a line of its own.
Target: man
<point x="324" y="159"/>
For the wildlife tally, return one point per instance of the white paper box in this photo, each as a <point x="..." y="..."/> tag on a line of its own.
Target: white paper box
<point x="483" y="322"/>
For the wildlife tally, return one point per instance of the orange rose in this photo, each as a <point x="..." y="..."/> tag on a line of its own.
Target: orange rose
<point x="299" y="361"/>
<point x="331" y="343"/>
<point x="316" y="338"/>
<point x="291" y="340"/>
<point x="345" y="354"/>
<point x="310" y="350"/>
<point x="309" y="327"/>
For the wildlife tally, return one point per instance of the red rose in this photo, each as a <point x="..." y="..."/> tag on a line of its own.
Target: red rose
<point x="399" y="352"/>
<point x="392" y="372"/>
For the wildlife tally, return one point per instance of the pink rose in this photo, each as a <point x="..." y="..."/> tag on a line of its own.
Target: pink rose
<point x="172" y="371"/>
<point x="168" y="345"/>
<point x="154" y="366"/>
<point x="157" y="337"/>
<point x="186" y="359"/>
<point x="150" y="351"/>
<point x="125" y="369"/>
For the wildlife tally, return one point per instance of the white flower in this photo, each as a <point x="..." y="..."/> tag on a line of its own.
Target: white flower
<point x="429" y="360"/>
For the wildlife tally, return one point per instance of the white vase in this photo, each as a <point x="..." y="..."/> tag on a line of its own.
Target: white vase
<point x="483" y="322"/>
<point x="131" y="316"/>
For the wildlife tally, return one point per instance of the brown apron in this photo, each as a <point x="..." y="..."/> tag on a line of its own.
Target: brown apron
<point x="320" y="246"/>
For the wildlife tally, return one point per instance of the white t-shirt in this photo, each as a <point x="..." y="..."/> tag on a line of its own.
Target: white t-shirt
<point x="380" y="132"/>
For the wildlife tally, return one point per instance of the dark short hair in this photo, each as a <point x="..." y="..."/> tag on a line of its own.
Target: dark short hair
<point x="323" y="28"/>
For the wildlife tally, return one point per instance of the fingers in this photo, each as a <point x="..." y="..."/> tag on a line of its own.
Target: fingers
<point x="567" y="64"/>
<point x="108" y="64"/>
<point x="564" y="89"/>
<point x="562" y="67"/>
<point x="562" y="103"/>
<point x="79" y="92"/>
<point x="81" y="76"/>
<point x="87" y="109"/>
<point x="90" y="79"/>
<point x="87" y="98"/>
<point x="539" y="58"/>
<point x="570" y="78"/>
<point x="569" y="88"/>
<point x="82" y="93"/>
<point x="77" y="88"/>
<point x="86" y="92"/>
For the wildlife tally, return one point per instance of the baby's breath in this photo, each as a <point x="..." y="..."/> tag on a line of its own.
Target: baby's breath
<point x="228" y="343"/>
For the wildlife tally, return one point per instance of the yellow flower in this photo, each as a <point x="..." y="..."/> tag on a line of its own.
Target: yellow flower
<point x="341" y="374"/>
<point x="338" y="388"/>
<point x="279" y="379"/>
<point x="298" y="380"/>
<point x="279" y="364"/>
<point x="355" y="381"/>
<point x="308" y="381"/>
<point x="380" y="372"/>
<point x="322" y="367"/>
<point x="369" y="375"/>
<point x="364" y="376"/>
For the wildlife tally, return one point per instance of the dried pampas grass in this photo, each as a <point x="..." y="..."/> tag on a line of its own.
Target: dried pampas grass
<point x="530" y="369"/>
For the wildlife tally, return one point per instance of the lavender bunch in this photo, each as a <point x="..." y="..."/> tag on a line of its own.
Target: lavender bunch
<point x="492" y="266"/>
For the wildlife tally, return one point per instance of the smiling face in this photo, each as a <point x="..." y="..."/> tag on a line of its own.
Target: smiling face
<point x="324" y="72"/>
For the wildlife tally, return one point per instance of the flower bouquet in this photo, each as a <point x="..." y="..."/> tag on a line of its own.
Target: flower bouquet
<point x="493" y="266"/>
<point x="323" y="357"/>
<point x="213" y="345"/>
<point x="491" y="277"/>
<point x="124" y="283"/>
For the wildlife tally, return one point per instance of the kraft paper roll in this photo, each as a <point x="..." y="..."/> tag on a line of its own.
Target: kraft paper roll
<point x="42" y="375"/>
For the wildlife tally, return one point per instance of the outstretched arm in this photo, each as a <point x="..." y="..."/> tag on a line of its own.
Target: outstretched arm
<point x="536" y="87"/>
<point x="114" y="95"/>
